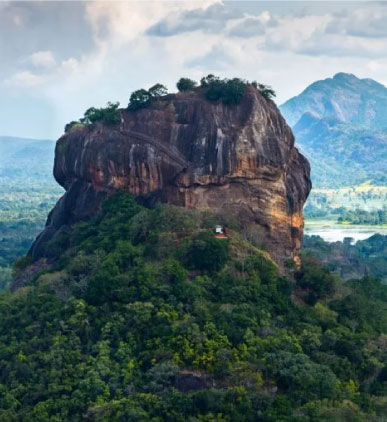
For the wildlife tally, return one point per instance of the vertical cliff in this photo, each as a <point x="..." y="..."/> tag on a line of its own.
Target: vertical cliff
<point x="187" y="151"/>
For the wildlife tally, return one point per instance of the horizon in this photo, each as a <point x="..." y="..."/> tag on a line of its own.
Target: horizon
<point x="61" y="58"/>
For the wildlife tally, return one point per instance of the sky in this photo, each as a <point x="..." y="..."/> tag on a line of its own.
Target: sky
<point x="59" y="58"/>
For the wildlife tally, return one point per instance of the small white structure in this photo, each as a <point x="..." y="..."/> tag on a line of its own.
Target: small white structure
<point x="219" y="230"/>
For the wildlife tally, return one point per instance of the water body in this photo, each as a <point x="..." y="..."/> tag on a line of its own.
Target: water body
<point x="337" y="232"/>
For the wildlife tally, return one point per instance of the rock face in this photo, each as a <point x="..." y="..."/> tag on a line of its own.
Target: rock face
<point x="190" y="152"/>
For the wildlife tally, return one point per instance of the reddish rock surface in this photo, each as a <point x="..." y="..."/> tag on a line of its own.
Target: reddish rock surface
<point x="194" y="153"/>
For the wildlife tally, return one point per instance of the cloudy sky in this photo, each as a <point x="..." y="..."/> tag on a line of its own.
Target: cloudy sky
<point x="59" y="58"/>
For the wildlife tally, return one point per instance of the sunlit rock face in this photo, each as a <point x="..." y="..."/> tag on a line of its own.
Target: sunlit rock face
<point x="190" y="152"/>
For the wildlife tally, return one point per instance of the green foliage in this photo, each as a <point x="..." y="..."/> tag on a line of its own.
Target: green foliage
<point x="351" y="259"/>
<point x="205" y="253"/>
<point x="317" y="280"/>
<point x="301" y="378"/>
<point x="185" y="84"/>
<point x="21" y="263"/>
<point x="139" y="99"/>
<point x="365" y="308"/>
<point x="266" y="90"/>
<point x="122" y="329"/>
<point x="358" y="216"/>
<point x="229" y="91"/>
<point x="142" y="98"/>
<point x="28" y="191"/>
<point x="70" y="125"/>
<point x="157" y="90"/>
<point x="109" y="115"/>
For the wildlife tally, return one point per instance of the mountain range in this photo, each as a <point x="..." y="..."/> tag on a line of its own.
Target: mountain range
<point x="22" y="157"/>
<point x="340" y="124"/>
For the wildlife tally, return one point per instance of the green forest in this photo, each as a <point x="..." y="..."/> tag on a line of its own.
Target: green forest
<point x="28" y="191"/>
<point x="364" y="204"/>
<point x="349" y="259"/>
<point x="147" y="316"/>
<point x="364" y="217"/>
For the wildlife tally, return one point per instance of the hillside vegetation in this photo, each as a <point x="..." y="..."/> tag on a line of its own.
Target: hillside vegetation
<point x="213" y="88"/>
<point x="366" y="197"/>
<point x="28" y="192"/>
<point x="351" y="260"/>
<point x="146" y="316"/>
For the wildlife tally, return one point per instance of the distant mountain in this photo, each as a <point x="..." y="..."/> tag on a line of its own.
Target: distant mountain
<point x="340" y="124"/>
<point x="28" y="157"/>
<point x="28" y="191"/>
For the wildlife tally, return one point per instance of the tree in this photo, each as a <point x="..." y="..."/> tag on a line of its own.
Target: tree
<point x="142" y="97"/>
<point x="185" y="84"/>
<point x="234" y="90"/>
<point x="139" y="99"/>
<point x="70" y="125"/>
<point x="91" y="115"/>
<point x="266" y="90"/>
<point x="214" y="87"/>
<point x="111" y="114"/>
<point x="229" y="91"/>
<point x="206" y="253"/>
<point x="157" y="90"/>
<point x="207" y="80"/>
<point x="303" y="379"/>
<point x="316" y="279"/>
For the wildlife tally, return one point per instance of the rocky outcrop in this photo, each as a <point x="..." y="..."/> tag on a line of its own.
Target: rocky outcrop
<point x="188" y="151"/>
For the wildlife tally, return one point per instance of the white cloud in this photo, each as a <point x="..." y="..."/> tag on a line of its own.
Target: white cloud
<point x="212" y="18"/>
<point x="24" y="79"/>
<point x="366" y="23"/>
<point x="250" y="27"/>
<point x="116" y="52"/>
<point x="43" y="59"/>
<point x="291" y="33"/>
<point x="120" y="22"/>
<point x="70" y="65"/>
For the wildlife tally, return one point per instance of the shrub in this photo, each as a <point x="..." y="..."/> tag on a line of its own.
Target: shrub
<point x="142" y="97"/>
<point x="157" y="90"/>
<point x="20" y="264"/>
<point x="109" y="115"/>
<point x="213" y="87"/>
<point x="234" y="91"/>
<point x="70" y="125"/>
<point x="303" y="379"/>
<point x="266" y="90"/>
<point x="139" y="99"/>
<point x="185" y="84"/>
<point x="229" y="91"/>
<point x="206" y="253"/>
<point x="207" y="80"/>
<point x="315" y="278"/>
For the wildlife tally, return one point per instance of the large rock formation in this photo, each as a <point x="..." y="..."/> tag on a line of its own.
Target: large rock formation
<point x="188" y="151"/>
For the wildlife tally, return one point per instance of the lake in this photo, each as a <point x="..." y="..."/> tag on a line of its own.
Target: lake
<point x="332" y="232"/>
